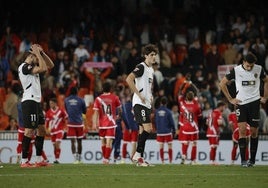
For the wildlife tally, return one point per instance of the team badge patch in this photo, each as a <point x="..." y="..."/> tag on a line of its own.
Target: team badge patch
<point x="255" y="75"/>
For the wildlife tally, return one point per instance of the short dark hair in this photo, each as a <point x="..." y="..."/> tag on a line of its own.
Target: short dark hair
<point x="149" y="48"/>
<point x="73" y="91"/>
<point x="220" y="103"/>
<point x="251" y="58"/>
<point x="53" y="100"/>
<point x="106" y="87"/>
<point x="164" y="100"/>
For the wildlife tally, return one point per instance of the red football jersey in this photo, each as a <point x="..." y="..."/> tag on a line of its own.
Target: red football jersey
<point x="55" y="119"/>
<point x="233" y="120"/>
<point x="190" y="111"/>
<point x="213" y="125"/>
<point x="107" y="104"/>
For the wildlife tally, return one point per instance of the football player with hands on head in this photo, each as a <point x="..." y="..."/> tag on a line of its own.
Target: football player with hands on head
<point x="37" y="62"/>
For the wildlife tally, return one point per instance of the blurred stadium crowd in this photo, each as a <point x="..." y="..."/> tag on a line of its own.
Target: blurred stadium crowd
<point x="194" y="38"/>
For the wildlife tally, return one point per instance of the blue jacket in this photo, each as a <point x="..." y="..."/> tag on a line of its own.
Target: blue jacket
<point x="75" y="107"/>
<point x="164" y="121"/>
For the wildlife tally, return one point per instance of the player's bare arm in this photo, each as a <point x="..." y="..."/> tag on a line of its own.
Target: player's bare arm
<point x="224" y="89"/>
<point x="37" y="59"/>
<point x="265" y="96"/>
<point x="47" y="60"/>
<point x="130" y="80"/>
<point x="45" y="57"/>
<point x="95" y="120"/>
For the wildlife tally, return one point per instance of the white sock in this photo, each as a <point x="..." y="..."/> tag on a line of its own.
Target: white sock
<point x="24" y="160"/>
<point x="38" y="159"/>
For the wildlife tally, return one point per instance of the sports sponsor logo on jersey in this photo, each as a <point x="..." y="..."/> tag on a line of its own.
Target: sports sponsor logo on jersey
<point x="248" y="83"/>
<point x="73" y="102"/>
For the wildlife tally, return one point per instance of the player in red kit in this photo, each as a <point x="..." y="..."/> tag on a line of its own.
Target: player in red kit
<point x="232" y="118"/>
<point x="104" y="118"/>
<point x="55" y="124"/>
<point x="190" y="112"/>
<point x="214" y="122"/>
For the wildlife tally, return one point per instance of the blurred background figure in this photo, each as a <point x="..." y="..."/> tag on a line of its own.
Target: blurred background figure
<point x="165" y="129"/>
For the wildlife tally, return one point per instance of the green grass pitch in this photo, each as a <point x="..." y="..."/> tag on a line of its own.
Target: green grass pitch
<point x="129" y="175"/>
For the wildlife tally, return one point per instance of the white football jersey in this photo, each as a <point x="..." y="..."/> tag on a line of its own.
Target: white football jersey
<point x="144" y="85"/>
<point x="30" y="83"/>
<point x="248" y="83"/>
